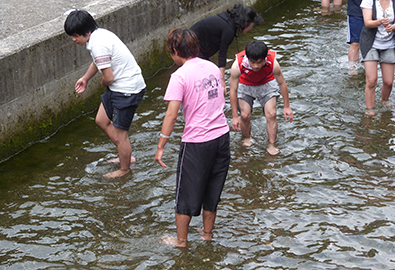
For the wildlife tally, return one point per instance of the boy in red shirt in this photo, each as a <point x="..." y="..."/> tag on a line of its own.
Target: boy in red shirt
<point x="256" y="74"/>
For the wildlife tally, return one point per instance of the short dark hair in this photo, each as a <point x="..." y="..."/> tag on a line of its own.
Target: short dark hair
<point x="79" y="22"/>
<point x="184" y="41"/>
<point x="256" y="50"/>
<point x="244" y="16"/>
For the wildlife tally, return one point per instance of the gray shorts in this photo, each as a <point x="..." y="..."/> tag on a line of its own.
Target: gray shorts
<point x="263" y="93"/>
<point x="381" y="56"/>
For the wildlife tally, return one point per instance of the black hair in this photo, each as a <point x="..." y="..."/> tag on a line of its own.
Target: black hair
<point x="79" y="22"/>
<point x="256" y="50"/>
<point x="244" y="16"/>
<point x="184" y="41"/>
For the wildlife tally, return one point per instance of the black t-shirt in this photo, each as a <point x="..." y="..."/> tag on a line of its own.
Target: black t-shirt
<point x="215" y="33"/>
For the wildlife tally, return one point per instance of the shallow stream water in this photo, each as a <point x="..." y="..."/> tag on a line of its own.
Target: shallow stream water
<point x="325" y="202"/>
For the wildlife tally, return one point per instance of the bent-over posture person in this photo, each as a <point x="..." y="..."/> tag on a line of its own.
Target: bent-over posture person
<point x="204" y="156"/>
<point x="120" y="75"/>
<point x="216" y="33"/>
<point x="256" y="74"/>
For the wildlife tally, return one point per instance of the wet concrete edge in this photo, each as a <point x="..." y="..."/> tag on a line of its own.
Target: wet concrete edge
<point x="40" y="65"/>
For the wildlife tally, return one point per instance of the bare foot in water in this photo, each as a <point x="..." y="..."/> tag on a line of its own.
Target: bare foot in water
<point x="272" y="150"/>
<point x="370" y="112"/>
<point x="116" y="160"/>
<point x="116" y="174"/>
<point x="208" y="236"/>
<point x="173" y="241"/>
<point x="388" y="104"/>
<point x="247" y="142"/>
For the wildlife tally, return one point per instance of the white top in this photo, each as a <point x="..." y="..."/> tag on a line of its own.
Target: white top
<point x="198" y="85"/>
<point x="107" y="50"/>
<point x="383" y="40"/>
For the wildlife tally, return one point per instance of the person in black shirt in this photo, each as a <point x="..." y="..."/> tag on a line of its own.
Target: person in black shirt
<point x="216" y="33"/>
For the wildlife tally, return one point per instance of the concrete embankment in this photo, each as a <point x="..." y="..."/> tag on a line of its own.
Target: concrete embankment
<point x="39" y="64"/>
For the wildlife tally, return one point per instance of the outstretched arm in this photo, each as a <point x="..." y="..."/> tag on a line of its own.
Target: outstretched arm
<point x="278" y="74"/>
<point x="81" y="84"/>
<point x="234" y="83"/>
<point x="167" y="129"/>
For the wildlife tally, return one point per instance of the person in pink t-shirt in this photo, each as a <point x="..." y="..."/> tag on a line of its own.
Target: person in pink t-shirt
<point x="204" y="152"/>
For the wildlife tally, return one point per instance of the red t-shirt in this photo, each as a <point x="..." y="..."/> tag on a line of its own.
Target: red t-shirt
<point x="250" y="77"/>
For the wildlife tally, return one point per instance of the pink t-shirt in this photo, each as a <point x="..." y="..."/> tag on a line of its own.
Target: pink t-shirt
<point x="197" y="84"/>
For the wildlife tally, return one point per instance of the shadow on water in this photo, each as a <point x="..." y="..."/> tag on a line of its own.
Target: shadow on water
<point x="326" y="202"/>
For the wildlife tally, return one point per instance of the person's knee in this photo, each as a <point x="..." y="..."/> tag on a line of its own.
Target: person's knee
<point x="388" y="84"/>
<point x="371" y="82"/>
<point x="354" y="46"/>
<point x="245" y="116"/>
<point x="120" y="136"/>
<point x="270" y="115"/>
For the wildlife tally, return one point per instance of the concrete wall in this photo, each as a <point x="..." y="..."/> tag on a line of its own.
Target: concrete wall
<point x="40" y="66"/>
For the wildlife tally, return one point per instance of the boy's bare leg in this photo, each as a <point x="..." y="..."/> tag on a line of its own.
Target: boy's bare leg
<point x="245" y="117"/>
<point x="208" y="224"/>
<point x="271" y="125"/>
<point x="182" y="222"/>
<point x="116" y="160"/>
<point x="353" y="56"/>
<point x="124" y="152"/>
<point x="121" y="140"/>
<point x="337" y="5"/>
<point x="325" y="4"/>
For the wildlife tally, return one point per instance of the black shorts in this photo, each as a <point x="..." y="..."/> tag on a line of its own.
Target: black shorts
<point x="120" y="107"/>
<point x="201" y="173"/>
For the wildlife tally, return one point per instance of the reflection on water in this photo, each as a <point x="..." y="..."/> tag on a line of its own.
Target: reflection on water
<point x="326" y="202"/>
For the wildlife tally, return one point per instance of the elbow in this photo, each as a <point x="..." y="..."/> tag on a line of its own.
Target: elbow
<point x="107" y="81"/>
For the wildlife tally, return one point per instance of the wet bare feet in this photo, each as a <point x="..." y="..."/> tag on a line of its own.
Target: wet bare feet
<point x="370" y="112"/>
<point x="272" y="150"/>
<point x="116" y="174"/>
<point x="116" y="160"/>
<point x="387" y="104"/>
<point x="353" y="69"/>
<point x="247" y="142"/>
<point x="173" y="241"/>
<point x="208" y="236"/>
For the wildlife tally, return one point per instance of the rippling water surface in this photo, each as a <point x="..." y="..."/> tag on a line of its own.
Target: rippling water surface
<point x="326" y="202"/>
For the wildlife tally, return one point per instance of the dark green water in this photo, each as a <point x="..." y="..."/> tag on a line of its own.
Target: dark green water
<point x="326" y="202"/>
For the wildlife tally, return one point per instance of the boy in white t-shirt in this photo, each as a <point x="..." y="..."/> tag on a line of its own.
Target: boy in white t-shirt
<point x="121" y="76"/>
<point x="204" y="152"/>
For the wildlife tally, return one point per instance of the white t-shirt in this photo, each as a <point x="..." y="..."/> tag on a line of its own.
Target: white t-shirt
<point x="198" y="85"/>
<point x="383" y="40"/>
<point x="107" y="50"/>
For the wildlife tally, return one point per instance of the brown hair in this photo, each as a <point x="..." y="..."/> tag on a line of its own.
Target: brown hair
<point x="184" y="41"/>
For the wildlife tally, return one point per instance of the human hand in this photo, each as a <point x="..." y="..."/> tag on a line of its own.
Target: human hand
<point x="236" y="124"/>
<point x="80" y="85"/>
<point x="224" y="90"/>
<point x="385" y="22"/>
<point x="158" y="157"/>
<point x="389" y="28"/>
<point x="288" y="112"/>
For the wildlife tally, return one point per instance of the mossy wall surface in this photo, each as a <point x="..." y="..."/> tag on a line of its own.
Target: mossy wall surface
<point x="37" y="87"/>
